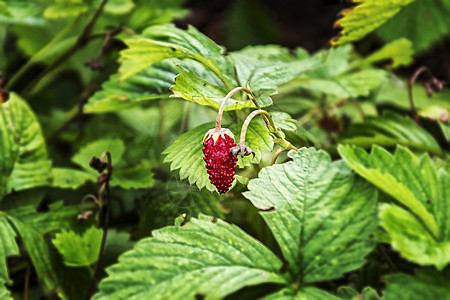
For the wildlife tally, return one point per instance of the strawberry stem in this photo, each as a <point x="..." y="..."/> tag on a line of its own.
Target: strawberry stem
<point x="228" y="96"/>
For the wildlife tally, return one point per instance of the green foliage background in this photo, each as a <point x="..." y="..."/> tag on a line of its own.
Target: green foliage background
<point x="358" y="208"/>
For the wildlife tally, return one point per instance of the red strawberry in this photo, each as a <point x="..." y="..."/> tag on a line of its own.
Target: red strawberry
<point x="220" y="163"/>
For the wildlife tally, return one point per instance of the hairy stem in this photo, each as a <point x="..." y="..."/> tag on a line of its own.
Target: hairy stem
<point x="249" y="119"/>
<point x="222" y="106"/>
<point x="410" y="92"/>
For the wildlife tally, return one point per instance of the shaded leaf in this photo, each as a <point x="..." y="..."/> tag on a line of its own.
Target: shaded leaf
<point x="56" y="218"/>
<point x="8" y="247"/>
<point x="178" y="198"/>
<point x="66" y="178"/>
<point x="83" y="157"/>
<point x="305" y="293"/>
<point x="23" y="155"/>
<point x="199" y="258"/>
<point x="137" y="177"/>
<point x="79" y="251"/>
<point x="149" y="84"/>
<point x="427" y="284"/>
<point x="320" y="213"/>
<point x="37" y="249"/>
<point x="390" y="130"/>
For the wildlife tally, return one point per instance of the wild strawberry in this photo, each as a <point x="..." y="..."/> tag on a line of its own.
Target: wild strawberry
<point x="220" y="163"/>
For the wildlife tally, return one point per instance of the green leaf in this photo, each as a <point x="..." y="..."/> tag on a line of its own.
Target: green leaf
<point x="65" y="9"/>
<point x="199" y="258"/>
<point x="416" y="184"/>
<point x="320" y="213"/>
<point x="191" y="87"/>
<point x="305" y="293"/>
<point x="258" y="138"/>
<point x="265" y="71"/>
<point x="336" y="77"/>
<point x="151" y="83"/>
<point x="178" y="198"/>
<point x="138" y="177"/>
<point x="358" y="21"/>
<point x="409" y="236"/>
<point x="399" y="51"/>
<point x="395" y="92"/>
<point x="161" y="42"/>
<point x="37" y="249"/>
<point x="284" y="120"/>
<point x="79" y="251"/>
<point x="56" y="218"/>
<point x="8" y="247"/>
<point x="390" y="130"/>
<point x="115" y="146"/>
<point x="423" y="22"/>
<point x="186" y="154"/>
<point x="119" y="7"/>
<point x="427" y="284"/>
<point x="23" y="156"/>
<point x="66" y="178"/>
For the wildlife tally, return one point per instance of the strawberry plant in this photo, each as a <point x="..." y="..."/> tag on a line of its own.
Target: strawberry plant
<point x="177" y="150"/>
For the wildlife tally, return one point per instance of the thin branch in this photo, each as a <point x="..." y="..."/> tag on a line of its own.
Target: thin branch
<point x="82" y="40"/>
<point x="26" y="289"/>
<point x="104" y="180"/>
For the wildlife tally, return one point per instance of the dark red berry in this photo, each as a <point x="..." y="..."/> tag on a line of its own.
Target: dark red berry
<point x="220" y="163"/>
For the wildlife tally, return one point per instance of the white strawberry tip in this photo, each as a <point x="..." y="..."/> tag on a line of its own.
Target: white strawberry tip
<point x="215" y="134"/>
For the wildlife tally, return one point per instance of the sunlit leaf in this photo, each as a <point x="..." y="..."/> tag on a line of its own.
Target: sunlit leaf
<point x="79" y="250"/>
<point x="186" y="154"/>
<point x="320" y="213"/>
<point x="158" y="43"/>
<point x="399" y="52"/>
<point x="199" y="258"/>
<point x="422" y="22"/>
<point x="420" y="229"/>
<point x="23" y="155"/>
<point x="258" y="138"/>
<point x="368" y="15"/>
